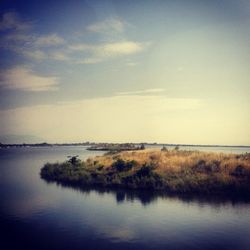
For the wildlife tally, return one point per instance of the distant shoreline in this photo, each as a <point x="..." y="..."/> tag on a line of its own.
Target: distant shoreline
<point x="100" y="145"/>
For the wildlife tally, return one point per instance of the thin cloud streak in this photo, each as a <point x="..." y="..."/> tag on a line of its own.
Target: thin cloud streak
<point x="111" y="25"/>
<point x="142" y="92"/>
<point x="102" y="52"/>
<point x="23" y="78"/>
<point x="37" y="55"/>
<point x="49" y="40"/>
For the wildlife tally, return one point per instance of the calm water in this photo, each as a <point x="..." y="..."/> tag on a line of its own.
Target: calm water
<point x="38" y="215"/>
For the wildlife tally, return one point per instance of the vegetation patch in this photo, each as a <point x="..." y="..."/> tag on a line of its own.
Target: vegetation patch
<point x="173" y="171"/>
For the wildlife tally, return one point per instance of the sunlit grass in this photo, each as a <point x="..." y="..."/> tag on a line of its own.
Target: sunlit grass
<point x="177" y="160"/>
<point x="172" y="171"/>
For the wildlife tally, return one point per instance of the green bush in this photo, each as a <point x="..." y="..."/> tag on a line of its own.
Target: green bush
<point x="145" y="170"/>
<point x="74" y="160"/>
<point x="121" y="165"/>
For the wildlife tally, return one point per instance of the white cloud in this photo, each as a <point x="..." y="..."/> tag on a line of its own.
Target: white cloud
<point x="142" y="92"/>
<point x="95" y="53"/>
<point x="89" y="60"/>
<point x="21" y="40"/>
<point x="120" y="48"/>
<point x="59" y="56"/>
<point x="54" y="47"/>
<point x="38" y="54"/>
<point x="131" y="64"/>
<point x="101" y="52"/>
<point x="81" y="47"/>
<point x="49" y="40"/>
<point x="34" y="54"/>
<point x="23" y="78"/>
<point x="108" y="26"/>
<point x="11" y="21"/>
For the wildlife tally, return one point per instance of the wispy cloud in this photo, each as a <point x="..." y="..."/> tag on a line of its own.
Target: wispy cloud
<point x="142" y="92"/>
<point x="24" y="78"/>
<point x="59" y="55"/>
<point x="39" y="55"/>
<point x="21" y="39"/>
<point x="11" y="21"/>
<point x="120" y="48"/>
<point x="81" y="47"/>
<point x="89" y="60"/>
<point x="48" y="40"/>
<point x="33" y="48"/>
<point x="131" y="64"/>
<point x="34" y="54"/>
<point x="112" y="30"/>
<point x="111" y="25"/>
<point x="34" y="40"/>
<point x="101" y="52"/>
<point x="110" y="49"/>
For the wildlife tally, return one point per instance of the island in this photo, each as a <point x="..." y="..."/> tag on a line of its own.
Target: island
<point x="171" y="171"/>
<point x="116" y="147"/>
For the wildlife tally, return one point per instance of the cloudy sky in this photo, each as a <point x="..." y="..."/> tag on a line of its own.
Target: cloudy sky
<point x="119" y="71"/>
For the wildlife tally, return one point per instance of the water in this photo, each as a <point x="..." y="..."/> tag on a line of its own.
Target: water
<point x="38" y="215"/>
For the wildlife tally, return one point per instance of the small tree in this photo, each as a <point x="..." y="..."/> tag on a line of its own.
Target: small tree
<point x="74" y="160"/>
<point x="142" y="147"/>
<point x="121" y="165"/>
<point x="145" y="170"/>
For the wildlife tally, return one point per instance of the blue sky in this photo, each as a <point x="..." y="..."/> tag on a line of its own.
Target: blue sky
<point x="166" y="71"/>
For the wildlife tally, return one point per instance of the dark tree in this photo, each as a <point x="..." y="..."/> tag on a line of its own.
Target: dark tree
<point x="74" y="160"/>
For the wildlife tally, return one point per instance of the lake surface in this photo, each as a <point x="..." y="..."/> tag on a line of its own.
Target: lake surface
<point x="39" y="215"/>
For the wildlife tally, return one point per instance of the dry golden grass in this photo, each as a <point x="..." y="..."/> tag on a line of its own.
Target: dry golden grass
<point x="174" y="160"/>
<point x="174" y="171"/>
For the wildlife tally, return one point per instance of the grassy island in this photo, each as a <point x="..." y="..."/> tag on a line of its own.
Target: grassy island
<point x="173" y="171"/>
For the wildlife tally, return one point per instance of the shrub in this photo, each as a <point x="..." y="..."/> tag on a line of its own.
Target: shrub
<point x="240" y="171"/>
<point x="121" y="165"/>
<point x="74" y="160"/>
<point x="145" y="170"/>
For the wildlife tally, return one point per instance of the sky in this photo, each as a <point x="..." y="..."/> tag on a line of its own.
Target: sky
<point x="170" y="71"/>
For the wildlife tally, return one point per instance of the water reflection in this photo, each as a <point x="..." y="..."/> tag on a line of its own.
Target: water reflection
<point x="147" y="197"/>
